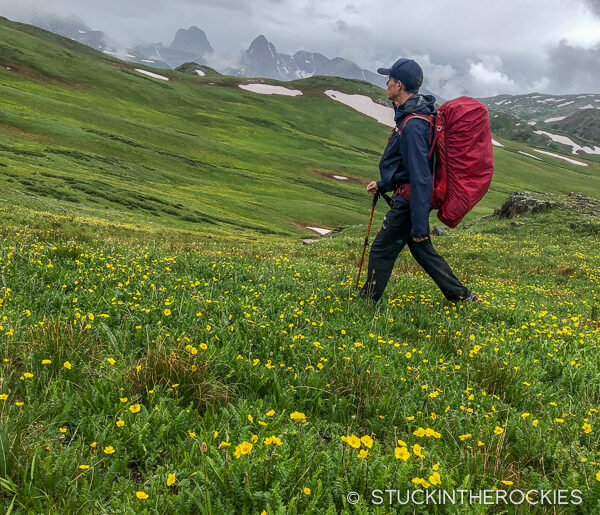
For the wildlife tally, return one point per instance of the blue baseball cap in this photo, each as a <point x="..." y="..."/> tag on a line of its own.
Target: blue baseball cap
<point x="406" y="71"/>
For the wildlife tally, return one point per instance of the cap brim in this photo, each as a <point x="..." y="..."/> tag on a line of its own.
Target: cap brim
<point x="383" y="71"/>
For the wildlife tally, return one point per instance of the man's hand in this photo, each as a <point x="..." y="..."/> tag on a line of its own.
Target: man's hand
<point x="372" y="188"/>
<point x="421" y="239"/>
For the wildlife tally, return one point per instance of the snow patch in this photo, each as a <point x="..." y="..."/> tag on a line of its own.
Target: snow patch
<point x="567" y="141"/>
<point x="589" y="106"/>
<point x="200" y="72"/>
<point x="147" y="61"/>
<point x="340" y="177"/>
<point x="566" y="103"/>
<point x="150" y="74"/>
<point x="320" y="230"/>
<point x="496" y="144"/>
<point x="266" y="89"/>
<point x="529" y="155"/>
<point x="365" y="105"/>
<point x="531" y="123"/>
<point x="560" y="157"/>
<point x="556" y="119"/>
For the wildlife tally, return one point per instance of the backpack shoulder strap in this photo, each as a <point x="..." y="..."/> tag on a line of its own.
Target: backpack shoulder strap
<point x="427" y="117"/>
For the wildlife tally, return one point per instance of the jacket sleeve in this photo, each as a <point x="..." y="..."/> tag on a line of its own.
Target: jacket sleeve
<point x="415" y="149"/>
<point x="391" y="159"/>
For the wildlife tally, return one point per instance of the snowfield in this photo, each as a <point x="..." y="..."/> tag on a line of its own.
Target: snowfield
<point x="529" y="155"/>
<point x="365" y="105"/>
<point x="556" y="119"/>
<point x="200" y="72"/>
<point x="266" y="89"/>
<point x="567" y="141"/>
<point x="319" y="230"/>
<point x="150" y="74"/>
<point x="579" y="163"/>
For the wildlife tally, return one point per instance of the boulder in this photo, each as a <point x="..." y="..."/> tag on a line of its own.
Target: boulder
<point x="519" y="203"/>
<point x="308" y="241"/>
<point x="438" y="230"/>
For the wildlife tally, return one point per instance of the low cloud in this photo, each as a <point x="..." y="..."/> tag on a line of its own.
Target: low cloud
<point x="574" y="69"/>
<point x="594" y="6"/>
<point x="482" y="76"/>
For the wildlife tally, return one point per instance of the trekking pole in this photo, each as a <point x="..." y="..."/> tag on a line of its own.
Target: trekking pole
<point x="375" y="198"/>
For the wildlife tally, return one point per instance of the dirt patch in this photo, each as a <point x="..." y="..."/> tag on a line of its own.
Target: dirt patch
<point x="333" y="174"/>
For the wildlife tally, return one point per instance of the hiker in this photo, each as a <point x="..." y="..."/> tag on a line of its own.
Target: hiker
<point x="405" y="161"/>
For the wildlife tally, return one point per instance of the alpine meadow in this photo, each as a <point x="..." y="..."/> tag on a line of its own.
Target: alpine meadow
<point x="169" y="344"/>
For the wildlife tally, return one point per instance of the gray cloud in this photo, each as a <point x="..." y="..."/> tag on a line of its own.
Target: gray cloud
<point x="574" y="69"/>
<point x="477" y="48"/>
<point x="594" y="5"/>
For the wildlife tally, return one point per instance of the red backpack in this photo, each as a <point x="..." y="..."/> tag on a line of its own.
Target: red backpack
<point x="463" y="159"/>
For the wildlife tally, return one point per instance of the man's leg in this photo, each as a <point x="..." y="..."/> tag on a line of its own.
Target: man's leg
<point x="388" y="243"/>
<point x="437" y="268"/>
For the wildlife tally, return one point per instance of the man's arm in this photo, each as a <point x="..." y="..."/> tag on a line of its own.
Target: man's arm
<point x="415" y="149"/>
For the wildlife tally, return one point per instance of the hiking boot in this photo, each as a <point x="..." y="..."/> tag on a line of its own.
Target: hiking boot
<point x="473" y="297"/>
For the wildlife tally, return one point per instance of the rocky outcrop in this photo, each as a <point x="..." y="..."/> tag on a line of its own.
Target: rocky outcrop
<point x="524" y="202"/>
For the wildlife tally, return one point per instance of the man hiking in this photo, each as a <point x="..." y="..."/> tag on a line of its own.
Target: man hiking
<point x="406" y="160"/>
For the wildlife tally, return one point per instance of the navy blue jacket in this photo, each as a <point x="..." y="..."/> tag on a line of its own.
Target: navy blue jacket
<point x="405" y="160"/>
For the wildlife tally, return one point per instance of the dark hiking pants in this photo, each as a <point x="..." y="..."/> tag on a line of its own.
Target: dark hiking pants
<point x="394" y="234"/>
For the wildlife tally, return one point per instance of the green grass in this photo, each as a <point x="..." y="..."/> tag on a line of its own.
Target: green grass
<point x="155" y="301"/>
<point x="206" y="334"/>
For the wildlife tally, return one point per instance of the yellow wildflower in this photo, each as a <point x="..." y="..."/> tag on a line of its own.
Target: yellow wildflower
<point x="401" y="453"/>
<point x="243" y="448"/>
<point x="418" y="451"/>
<point x="435" y="479"/>
<point x="367" y="441"/>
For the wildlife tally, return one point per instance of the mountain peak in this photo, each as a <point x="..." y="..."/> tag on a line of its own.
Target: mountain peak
<point x="192" y="40"/>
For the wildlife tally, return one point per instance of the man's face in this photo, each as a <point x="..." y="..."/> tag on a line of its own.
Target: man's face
<point x="393" y="87"/>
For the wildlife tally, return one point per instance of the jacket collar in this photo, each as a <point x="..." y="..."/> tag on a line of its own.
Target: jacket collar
<point x="418" y="104"/>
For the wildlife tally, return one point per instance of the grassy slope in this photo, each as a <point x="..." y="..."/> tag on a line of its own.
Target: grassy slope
<point x="207" y="340"/>
<point x="79" y="128"/>
<point x="102" y="311"/>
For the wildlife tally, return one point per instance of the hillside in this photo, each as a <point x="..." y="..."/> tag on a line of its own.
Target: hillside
<point x="584" y="124"/>
<point x="541" y="108"/>
<point x="79" y="128"/>
<point x="146" y="371"/>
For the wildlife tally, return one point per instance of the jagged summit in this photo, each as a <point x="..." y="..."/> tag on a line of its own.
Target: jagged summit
<point x="192" y="40"/>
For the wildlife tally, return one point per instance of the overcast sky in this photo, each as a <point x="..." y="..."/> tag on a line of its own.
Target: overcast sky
<point x="464" y="46"/>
